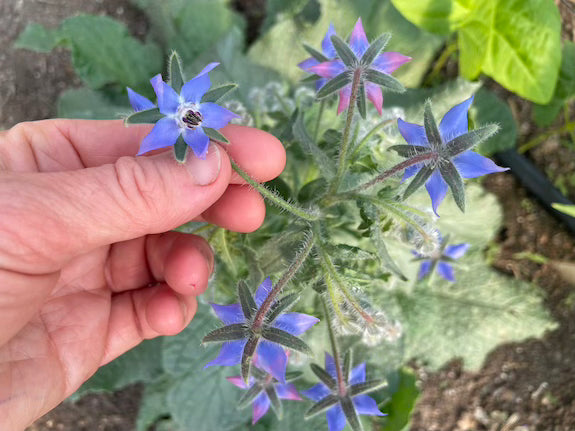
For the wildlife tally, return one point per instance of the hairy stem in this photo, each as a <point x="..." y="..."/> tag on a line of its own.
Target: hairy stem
<point x="347" y="130"/>
<point x="274" y="198"/>
<point x="318" y="121"/>
<point x="341" y="383"/>
<point x="368" y="136"/>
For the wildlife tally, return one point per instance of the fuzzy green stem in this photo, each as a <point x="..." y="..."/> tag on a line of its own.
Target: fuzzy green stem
<point x="341" y="383"/>
<point x="368" y="136"/>
<point x="285" y="278"/>
<point x="318" y="121"/>
<point x="566" y="128"/>
<point x="449" y="50"/>
<point x="274" y="198"/>
<point x="347" y="130"/>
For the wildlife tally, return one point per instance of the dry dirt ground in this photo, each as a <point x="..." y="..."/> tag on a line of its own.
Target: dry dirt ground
<point x="528" y="386"/>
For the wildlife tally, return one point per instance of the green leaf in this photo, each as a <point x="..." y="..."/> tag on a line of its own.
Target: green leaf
<point x="402" y="402"/>
<point x="217" y="93"/>
<point x="176" y="72"/>
<point x="89" y="104"/>
<point x="149" y="116"/>
<point x="385" y="80"/>
<point x="334" y="85"/>
<point x="489" y="108"/>
<point x="153" y="403"/>
<point x="375" y="48"/>
<point x="343" y="51"/>
<point x="322" y="160"/>
<point x="36" y="37"/>
<point x="436" y="16"/>
<point x="215" y="135"/>
<point x="384" y="256"/>
<point x="294" y="419"/>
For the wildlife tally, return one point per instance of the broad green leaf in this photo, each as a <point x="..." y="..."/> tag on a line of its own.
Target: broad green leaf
<point x="437" y="16"/>
<point x="402" y="402"/>
<point x="36" y="37"/>
<point x="293" y="419"/>
<point x="89" y="104"/>
<point x="489" y="108"/>
<point x="153" y="403"/>
<point x="322" y="160"/>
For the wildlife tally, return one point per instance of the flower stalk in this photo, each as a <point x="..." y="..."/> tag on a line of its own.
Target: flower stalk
<point x="341" y="383"/>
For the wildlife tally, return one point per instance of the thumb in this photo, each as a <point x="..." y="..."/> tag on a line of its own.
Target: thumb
<point x="48" y="218"/>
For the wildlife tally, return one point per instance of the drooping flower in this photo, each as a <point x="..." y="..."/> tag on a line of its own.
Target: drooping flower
<point x="264" y="390"/>
<point x="343" y="404"/>
<point x="184" y="114"/>
<point x="371" y="66"/>
<point x="441" y="259"/>
<point x="258" y="334"/>
<point x="445" y="153"/>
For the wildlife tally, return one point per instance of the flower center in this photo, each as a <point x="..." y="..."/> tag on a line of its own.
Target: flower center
<point x="192" y="118"/>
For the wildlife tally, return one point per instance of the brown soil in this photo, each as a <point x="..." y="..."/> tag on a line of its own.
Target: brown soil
<point x="522" y="386"/>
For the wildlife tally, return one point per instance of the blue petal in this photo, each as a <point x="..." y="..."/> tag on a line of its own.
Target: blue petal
<point x="413" y="134"/>
<point x="456" y="251"/>
<point x="316" y="392"/>
<point x="139" y="102"/>
<point x="215" y="116"/>
<point x="446" y="271"/>
<point x="335" y="418"/>
<point x="230" y="354"/>
<point x="288" y="392"/>
<point x="320" y="83"/>
<point x="330" y="365"/>
<point x="168" y="99"/>
<point x="437" y="189"/>
<point x="473" y="165"/>
<point x="194" y="90"/>
<point x="365" y="405"/>
<point x="164" y="134"/>
<point x="328" y="69"/>
<point x="388" y="62"/>
<point x="357" y="374"/>
<point x="307" y="63"/>
<point x="263" y="291"/>
<point x="410" y="171"/>
<point x="424" y="269"/>
<point x="272" y="358"/>
<point x="260" y="407"/>
<point x="454" y="123"/>
<point x="207" y="69"/>
<point x="295" y="323"/>
<point x="358" y="40"/>
<point x="229" y="313"/>
<point x="198" y="141"/>
<point x="327" y="45"/>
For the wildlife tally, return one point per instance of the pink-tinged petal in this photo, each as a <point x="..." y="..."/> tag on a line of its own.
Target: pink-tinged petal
<point x="208" y="68"/>
<point x="455" y="123"/>
<point x="316" y="392"/>
<point x="327" y="45"/>
<point x="424" y="269"/>
<point x="357" y="374"/>
<point x="230" y="354"/>
<point x="437" y="189"/>
<point x="198" y="141"/>
<point x="260" y="407"/>
<point x="307" y="63"/>
<point x="409" y="172"/>
<point x="238" y="381"/>
<point x="295" y="323"/>
<point x="139" y="102"/>
<point x="473" y="165"/>
<point x="335" y="418"/>
<point x="263" y="291"/>
<point x="358" y="40"/>
<point x="456" y="251"/>
<point x="446" y="271"/>
<point x="389" y="62"/>
<point x="168" y="99"/>
<point x="215" y="116"/>
<point x="365" y="405"/>
<point x="330" y="365"/>
<point x="194" y="90"/>
<point x="229" y="314"/>
<point x="328" y="69"/>
<point x="288" y="392"/>
<point x="164" y="134"/>
<point x="375" y="95"/>
<point x="272" y="358"/>
<point x="344" y="96"/>
<point x="414" y="134"/>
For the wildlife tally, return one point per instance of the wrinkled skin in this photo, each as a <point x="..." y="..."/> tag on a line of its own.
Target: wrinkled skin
<point x="88" y="265"/>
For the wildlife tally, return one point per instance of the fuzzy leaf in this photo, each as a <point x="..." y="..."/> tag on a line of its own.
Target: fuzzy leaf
<point x="322" y="405"/>
<point x="469" y="140"/>
<point x="420" y="178"/>
<point x="215" y="94"/>
<point x="176" y="72"/>
<point x="344" y="51"/>
<point x="215" y="135"/>
<point x="334" y="85"/>
<point x="384" y="80"/>
<point x="351" y="414"/>
<point x="431" y="129"/>
<point x="403" y="398"/>
<point x="315" y="53"/>
<point x="36" y="37"/>
<point x="409" y="150"/>
<point x="384" y="256"/>
<point x="453" y="179"/>
<point x="149" y="116"/>
<point x="235" y="331"/>
<point x="324" y="376"/>
<point x="247" y="302"/>
<point x="321" y="158"/>
<point x="247" y="357"/>
<point x="153" y="403"/>
<point x="281" y="305"/>
<point x="375" y="48"/>
<point x="249" y="395"/>
<point x="275" y="401"/>
<point x="89" y="104"/>
<point x="285" y="339"/>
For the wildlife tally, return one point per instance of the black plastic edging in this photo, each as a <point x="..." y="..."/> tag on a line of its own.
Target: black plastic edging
<point x="537" y="183"/>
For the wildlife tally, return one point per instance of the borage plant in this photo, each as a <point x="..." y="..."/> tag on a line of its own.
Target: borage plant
<point x="261" y="329"/>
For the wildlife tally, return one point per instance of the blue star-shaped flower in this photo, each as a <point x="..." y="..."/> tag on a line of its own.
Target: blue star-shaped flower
<point x="328" y="51"/>
<point x="440" y="260"/>
<point x="362" y="404"/>
<point x="448" y="151"/>
<point x="269" y="355"/>
<point x="184" y="114"/>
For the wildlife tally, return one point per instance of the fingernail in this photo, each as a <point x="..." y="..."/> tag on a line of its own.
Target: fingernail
<point x="205" y="171"/>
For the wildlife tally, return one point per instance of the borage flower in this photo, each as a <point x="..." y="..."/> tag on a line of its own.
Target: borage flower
<point x="445" y="153"/>
<point x="264" y="390"/>
<point x="257" y="333"/>
<point x="343" y="402"/>
<point x="364" y="58"/>
<point x="184" y="114"/>
<point x="328" y="53"/>
<point x="441" y="259"/>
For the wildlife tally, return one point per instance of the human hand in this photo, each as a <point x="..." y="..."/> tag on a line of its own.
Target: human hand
<point x="88" y="267"/>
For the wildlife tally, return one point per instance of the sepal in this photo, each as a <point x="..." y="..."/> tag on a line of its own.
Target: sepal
<point x="351" y="414"/>
<point x="285" y="339"/>
<point x="374" y="49"/>
<point x="324" y="376"/>
<point x="315" y="53"/>
<point x="469" y="140"/>
<point x="453" y="179"/>
<point x="149" y="116"/>
<point x="250" y="395"/>
<point x="175" y="72"/>
<point x="281" y="305"/>
<point x="431" y="129"/>
<point x="420" y="178"/>
<point x="181" y="149"/>
<point x="215" y="94"/>
<point x="322" y="405"/>
<point x="367" y="387"/>
<point x="233" y="332"/>
<point x="249" y="307"/>
<point x="214" y="135"/>
<point x="334" y="85"/>
<point x="344" y="51"/>
<point x="384" y="80"/>
<point x="409" y="150"/>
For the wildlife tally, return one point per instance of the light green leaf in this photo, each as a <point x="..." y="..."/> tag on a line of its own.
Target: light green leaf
<point x="293" y="419"/>
<point x="36" y="37"/>
<point x="489" y="108"/>
<point x="89" y="104"/>
<point x="436" y="16"/>
<point x="567" y="209"/>
<point x="402" y="403"/>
